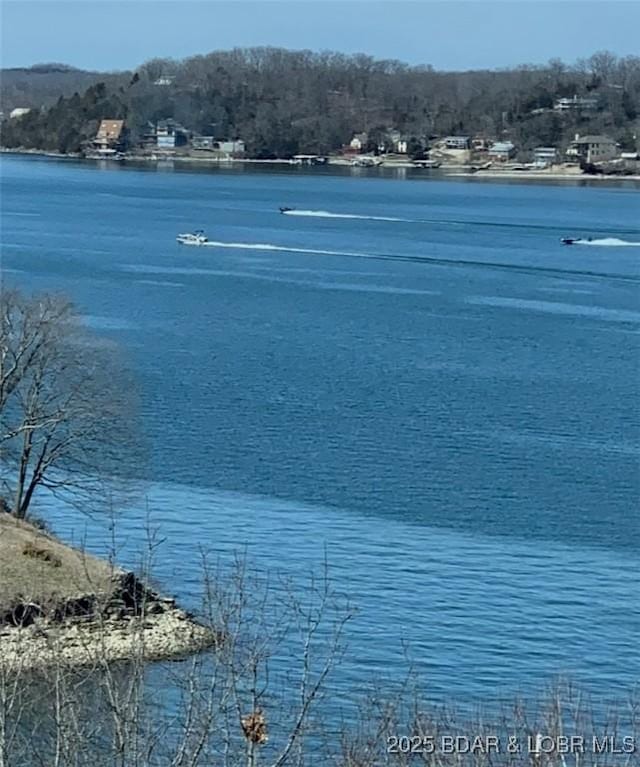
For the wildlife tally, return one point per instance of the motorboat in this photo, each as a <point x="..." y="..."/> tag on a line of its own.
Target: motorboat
<point x="574" y="240"/>
<point x="192" y="238"/>
<point x="285" y="210"/>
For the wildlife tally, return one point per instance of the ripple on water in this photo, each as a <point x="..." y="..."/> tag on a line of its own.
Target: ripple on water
<point x="557" y="307"/>
<point x="482" y="617"/>
<point x="96" y="322"/>
<point x="360" y="287"/>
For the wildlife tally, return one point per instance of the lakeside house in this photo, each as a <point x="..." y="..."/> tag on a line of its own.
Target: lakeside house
<point x="233" y="147"/>
<point x="576" y="104"/>
<point x="396" y="142"/>
<point x="204" y="143"/>
<point x="110" y="138"/>
<point x="227" y="147"/>
<point x="171" y="134"/>
<point x="502" y="151"/>
<point x="592" y="149"/>
<point x="457" y="142"/>
<point x="359" y="142"/>
<point x="18" y="112"/>
<point x="401" y="146"/>
<point x="545" y="156"/>
<point x="481" y="143"/>
<point x="165" y="134"/>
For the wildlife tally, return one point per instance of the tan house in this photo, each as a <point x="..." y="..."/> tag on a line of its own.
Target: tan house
<point x="592" y="149"/>
<point x="110" y="136"/>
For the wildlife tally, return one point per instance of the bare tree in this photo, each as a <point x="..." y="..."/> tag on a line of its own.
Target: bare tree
<point x="253" y="698"/>
<point x="66" y="415"/>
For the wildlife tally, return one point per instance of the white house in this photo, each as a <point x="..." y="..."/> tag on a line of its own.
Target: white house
<point x="544" y="156"/>
<point x="396" y="141"/>
<point x="359" y="141"/>
<point x="18" y="112"/>
<point x="576" y="103"/>
<point x="457" y="142"/>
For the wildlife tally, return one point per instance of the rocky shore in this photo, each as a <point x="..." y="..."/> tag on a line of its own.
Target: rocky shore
<point x="76" y="643"/>
<point x="62" y="607"/>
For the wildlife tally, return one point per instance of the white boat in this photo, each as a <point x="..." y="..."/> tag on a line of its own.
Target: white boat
<point x="192" y="238"/>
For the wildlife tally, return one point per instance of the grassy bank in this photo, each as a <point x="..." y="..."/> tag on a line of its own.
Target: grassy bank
<point x="57" y="602"/>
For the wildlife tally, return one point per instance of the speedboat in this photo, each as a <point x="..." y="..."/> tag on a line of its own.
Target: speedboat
<point x="192" y="238"/>
<point x="285" y="210"/>
<point x="575" y="240"/>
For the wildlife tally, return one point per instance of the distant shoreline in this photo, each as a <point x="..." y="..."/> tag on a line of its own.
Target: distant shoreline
<point x="445" y="172"/>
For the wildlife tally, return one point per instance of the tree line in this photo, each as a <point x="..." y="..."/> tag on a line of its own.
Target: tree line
<point x="42" y="84"/>
<point x="284" y="102"/>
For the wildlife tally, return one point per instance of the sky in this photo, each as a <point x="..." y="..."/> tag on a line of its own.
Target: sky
<point x="447" y="34"/>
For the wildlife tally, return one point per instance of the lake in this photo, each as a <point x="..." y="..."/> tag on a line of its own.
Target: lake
<point x="412" y="376"/>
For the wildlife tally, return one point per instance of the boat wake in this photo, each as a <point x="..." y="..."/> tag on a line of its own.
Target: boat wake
<point x="281" y="248"/>
<point x="460" y="222"/>
<point x="611" y="242"/>
<point x="328" y="214"/>
<point x="427" y="260"/>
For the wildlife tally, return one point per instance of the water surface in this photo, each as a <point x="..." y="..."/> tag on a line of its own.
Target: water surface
<point x="415" y="376"/>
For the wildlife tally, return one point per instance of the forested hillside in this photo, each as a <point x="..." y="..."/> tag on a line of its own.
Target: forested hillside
<point x="282" y="102"/>
<point x="43" y="84"/>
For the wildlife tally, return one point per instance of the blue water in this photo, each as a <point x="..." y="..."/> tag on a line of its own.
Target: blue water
<point x="429" y="387"/>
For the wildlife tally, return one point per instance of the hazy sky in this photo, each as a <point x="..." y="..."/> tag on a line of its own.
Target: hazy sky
<point x="107" y="34"/>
